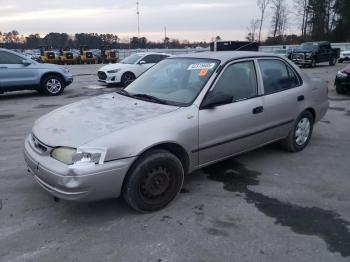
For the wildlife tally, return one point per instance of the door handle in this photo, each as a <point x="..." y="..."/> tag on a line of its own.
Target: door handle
<point x="301" y="98"/>
<point x="258" y="110"/>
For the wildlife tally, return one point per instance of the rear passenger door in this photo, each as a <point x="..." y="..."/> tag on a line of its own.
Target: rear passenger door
<point x="283" y="97"/>
<point x="232" y="128"/>
<point x="13" y="72"/>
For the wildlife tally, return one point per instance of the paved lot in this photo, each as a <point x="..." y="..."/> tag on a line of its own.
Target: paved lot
<point x="266" y="205"/>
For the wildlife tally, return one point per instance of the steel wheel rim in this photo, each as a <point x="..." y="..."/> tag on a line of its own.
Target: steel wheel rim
<point x="302" y="131"/>
<point x="156" y="183"/>
<point x="53" y="86"/>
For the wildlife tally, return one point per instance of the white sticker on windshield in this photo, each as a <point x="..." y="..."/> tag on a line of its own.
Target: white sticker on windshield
<point x="201" y="66"/>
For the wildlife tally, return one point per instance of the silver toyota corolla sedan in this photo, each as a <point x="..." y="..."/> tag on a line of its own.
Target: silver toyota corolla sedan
<point x="181" y="115"/>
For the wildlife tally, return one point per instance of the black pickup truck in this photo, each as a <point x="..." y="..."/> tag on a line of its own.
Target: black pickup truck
<point x="311" y="53"/>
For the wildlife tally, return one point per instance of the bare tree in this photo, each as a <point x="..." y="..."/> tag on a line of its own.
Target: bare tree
<point x="279" y="17"/>
<point x="303" y="10"/>
<point x="262" y="5"/>
<point x="252" y="35"/>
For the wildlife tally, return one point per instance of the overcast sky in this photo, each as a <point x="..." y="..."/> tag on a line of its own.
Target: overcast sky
<point x="184" y="19"/>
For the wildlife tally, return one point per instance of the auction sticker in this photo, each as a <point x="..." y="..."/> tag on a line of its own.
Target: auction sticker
<point x="201" y="66"/>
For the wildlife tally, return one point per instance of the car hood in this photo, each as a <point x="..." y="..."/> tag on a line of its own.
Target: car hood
<point x="81" y="122"/>
<point x="115" y="66"/>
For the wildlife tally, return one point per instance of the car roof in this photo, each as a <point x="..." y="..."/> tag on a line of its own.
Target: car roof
<point x="228" y="55"/>
<point x="151" y="53"/>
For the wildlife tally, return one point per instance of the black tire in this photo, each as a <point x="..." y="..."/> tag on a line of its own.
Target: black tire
<point x="52" y="85"/>
<point x="153" y="181"/>
<point x="340" y="89"/>
<point x="313" y="63"/>
<point x="340" y="61"/>
<point x="127" y="79"/>
<point x="290" y="142"/>
<point x="332" y="61"/>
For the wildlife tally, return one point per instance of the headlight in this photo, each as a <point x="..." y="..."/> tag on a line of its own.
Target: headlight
<point x="81" y="157"/>
<point x="64" y="154"/>
<point x="66" y="70"/>
<point x="341" y="74"/>
<point x="113" y="71"/>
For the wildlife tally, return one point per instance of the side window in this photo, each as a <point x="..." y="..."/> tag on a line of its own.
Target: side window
<point x="238" y="80"/>
<point x="276" y="76"/>
<point x="294" y="77"/>
<point x="152" y="59"/>
<point x="8" y="59"/>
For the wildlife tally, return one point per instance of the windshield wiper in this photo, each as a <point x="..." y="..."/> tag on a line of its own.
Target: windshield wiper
<point x="124" y="93"/>
<point x="149" y="97"/>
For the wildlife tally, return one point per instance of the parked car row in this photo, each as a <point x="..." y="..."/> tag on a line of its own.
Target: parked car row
<point x="184" y="113"/>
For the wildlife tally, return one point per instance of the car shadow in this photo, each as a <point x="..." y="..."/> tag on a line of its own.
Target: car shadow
<point x="20" y="95"/>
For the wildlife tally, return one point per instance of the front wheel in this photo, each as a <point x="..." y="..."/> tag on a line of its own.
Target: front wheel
<point x="52" y="85"/>
<point x="127" y="79"/>
<point x="154" y="181"/>
<point x="300" y="134"/>
<point x="313" y="63"/>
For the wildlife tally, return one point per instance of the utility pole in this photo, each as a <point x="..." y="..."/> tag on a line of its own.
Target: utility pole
<point x="165" y="38"/>
<point x="138" y="18"/>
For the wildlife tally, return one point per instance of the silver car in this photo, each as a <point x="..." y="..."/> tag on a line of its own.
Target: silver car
<point x="18" y="72"/>
<point x="181" y="115"/>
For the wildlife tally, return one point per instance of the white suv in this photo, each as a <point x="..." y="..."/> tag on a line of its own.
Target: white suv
<point x="344" y="56"/>
<point x="127" y="70"/>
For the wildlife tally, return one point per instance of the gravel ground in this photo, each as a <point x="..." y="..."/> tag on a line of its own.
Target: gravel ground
<point x="266" y="205"/>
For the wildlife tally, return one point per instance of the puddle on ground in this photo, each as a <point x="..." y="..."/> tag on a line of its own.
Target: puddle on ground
<point x="46" y="106"/>
<point x="314" y="221"/>
<point x="6" y="116"/>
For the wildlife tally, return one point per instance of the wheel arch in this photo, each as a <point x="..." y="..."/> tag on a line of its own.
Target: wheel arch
<point x="51" y="73"/>
<point x="174" y="148"/>
<point x="312" y="111"/>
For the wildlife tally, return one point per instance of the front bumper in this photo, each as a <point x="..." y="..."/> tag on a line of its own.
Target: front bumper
<point x="302" y="61"/>
<point x="107" y="78"/>
<point x="69" y="80"/>
<point x="88" y="184"/>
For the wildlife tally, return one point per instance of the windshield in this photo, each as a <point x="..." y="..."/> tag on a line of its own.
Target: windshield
<point x="176" y="81"/>
<point x="131" y="59"/>
<point x="308" y="46"/>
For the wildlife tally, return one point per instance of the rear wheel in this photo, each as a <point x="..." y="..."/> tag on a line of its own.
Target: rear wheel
<point x="300" y="134"/>
<point x="127" y="79"/>
<point x="340" y="89"/>
<point x="333" y="61"/>
<point x="52" y="85"/>
<point x="340" y="61"/>
<point x="154" y="181"/>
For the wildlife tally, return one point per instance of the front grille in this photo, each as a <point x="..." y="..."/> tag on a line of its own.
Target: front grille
<point x="298" y="56"/>
<point x="38" y="145"/>
<point x="51" y="55"/>
<point x="101" y="75"/>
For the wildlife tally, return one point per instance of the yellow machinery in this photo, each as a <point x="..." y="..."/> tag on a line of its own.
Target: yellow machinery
<point x="108" y="55"/>
<point x="67" y="57"/>
<point x="86" y="56"/>
<point x="48" y="56"/>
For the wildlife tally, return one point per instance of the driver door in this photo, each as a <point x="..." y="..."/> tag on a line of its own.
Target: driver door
<point x="14" y="73"/>
<point x="232" y="128"/>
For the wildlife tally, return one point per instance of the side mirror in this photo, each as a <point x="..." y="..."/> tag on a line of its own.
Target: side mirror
<point x="142" y="62"/>
<point x="26" y="62"/>
<point x="214" y="100"/>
